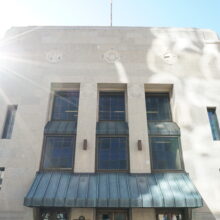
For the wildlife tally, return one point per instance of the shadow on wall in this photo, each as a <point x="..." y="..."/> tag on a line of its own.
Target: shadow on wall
<point x="183" y="59"/>
<point x="204" y="213"/>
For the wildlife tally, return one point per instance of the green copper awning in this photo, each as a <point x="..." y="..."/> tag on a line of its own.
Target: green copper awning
<point x="112" y="128"/>
<point x="62" y="189"/>
<point x="60" y="127"/>
<point x="163" y="128"/>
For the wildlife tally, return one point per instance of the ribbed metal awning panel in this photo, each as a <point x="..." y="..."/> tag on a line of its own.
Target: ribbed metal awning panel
<point x="112" y="127"/>
<point x="60" y="127"/>
<point x="62" y="189"/>
<point x="163" y="128"/>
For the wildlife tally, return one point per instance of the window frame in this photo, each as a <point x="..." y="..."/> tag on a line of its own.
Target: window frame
<point x="215" y="130"/>
<point x="162" y="94"/>
<point x="112" y="92"/>
<point x="53" y="103"/>
<point x="166" y="170"/>
<point x="44" y="151"/>
<point x="51" y="108"/>
<point x="97" y="170"/>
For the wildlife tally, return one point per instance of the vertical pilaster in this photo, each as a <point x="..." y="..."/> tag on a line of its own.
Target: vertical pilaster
<point x="86" y="128"/>
<point x="139" y="159"/>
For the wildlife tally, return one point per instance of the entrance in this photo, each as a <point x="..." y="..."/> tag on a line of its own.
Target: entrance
<point x="170" y="214"/>
<point x="112" y="215"/>
<point x="53" y="214"/>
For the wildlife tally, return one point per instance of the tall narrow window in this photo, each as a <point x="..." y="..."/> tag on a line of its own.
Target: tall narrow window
<point x="59" y="142"/>
<point x="2" y="170"/>
<point x="213" y="120"/>
<point x="112" y="106"/>
<point x="9" y="122"/>
<point x="65" y="107"/>
<point x="158" y="107"/>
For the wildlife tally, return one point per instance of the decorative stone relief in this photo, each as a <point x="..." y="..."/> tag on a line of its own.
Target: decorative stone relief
<point x="111" y="56"/>
<point x="54" y="56"/>
<point x="169" y="57"/>
<point x="136" y="90"/>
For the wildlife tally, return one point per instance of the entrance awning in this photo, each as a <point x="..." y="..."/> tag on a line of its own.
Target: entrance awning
<point x="62" y="189"/>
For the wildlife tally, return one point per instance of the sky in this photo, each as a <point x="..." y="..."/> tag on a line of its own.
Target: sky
<point x="146" y="13"/>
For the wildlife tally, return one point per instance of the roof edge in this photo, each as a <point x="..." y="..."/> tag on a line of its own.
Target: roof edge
<point x="53" y="27"/>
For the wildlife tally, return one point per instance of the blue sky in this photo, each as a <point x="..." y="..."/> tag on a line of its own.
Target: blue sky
<point x="150" y="13"/>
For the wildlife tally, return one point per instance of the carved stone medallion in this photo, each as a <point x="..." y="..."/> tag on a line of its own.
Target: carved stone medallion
<point x="111" y="56"/>
<point x="169" y="57"/>
<point x="54" y="56"/>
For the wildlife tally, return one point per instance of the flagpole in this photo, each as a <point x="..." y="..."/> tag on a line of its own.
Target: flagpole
<point x="111" y="13"/>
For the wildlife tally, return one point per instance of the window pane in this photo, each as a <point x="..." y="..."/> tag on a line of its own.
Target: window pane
<point x="165" y="153"/>
<point x="65" y="106"/>
<point x="59" y="152"/>
<point x="158" y="107"/>
<point x="112" y="153"/>
<point x="9" y="122"/>
<point x="213" y="120"/>
<point x="112" y="106"/>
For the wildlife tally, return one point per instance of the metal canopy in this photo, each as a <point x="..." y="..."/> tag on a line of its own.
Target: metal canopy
<point x="112" y="127"/>
<point x="163" y="128"/>
<point x="60" y="127"/>
<point x="62" y="189"/>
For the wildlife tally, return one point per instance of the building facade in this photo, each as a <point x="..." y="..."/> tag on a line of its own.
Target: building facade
<point x="109" y="123"/>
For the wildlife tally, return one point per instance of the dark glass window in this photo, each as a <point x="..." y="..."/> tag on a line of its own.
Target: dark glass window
<point x="9" y="122"/>
<point x="112" y="215"/>
<point x="165" y="153"/>
<point x="50" y="214"/>
<point x="158" y="107"/>
<point x="65" y="106"/>
<point x="112" y="106"/>
<point x="213" y="120"/>
<point x="59" y="152"/>
<point x="2" y="170"/>
<point x="112" y="153"/>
